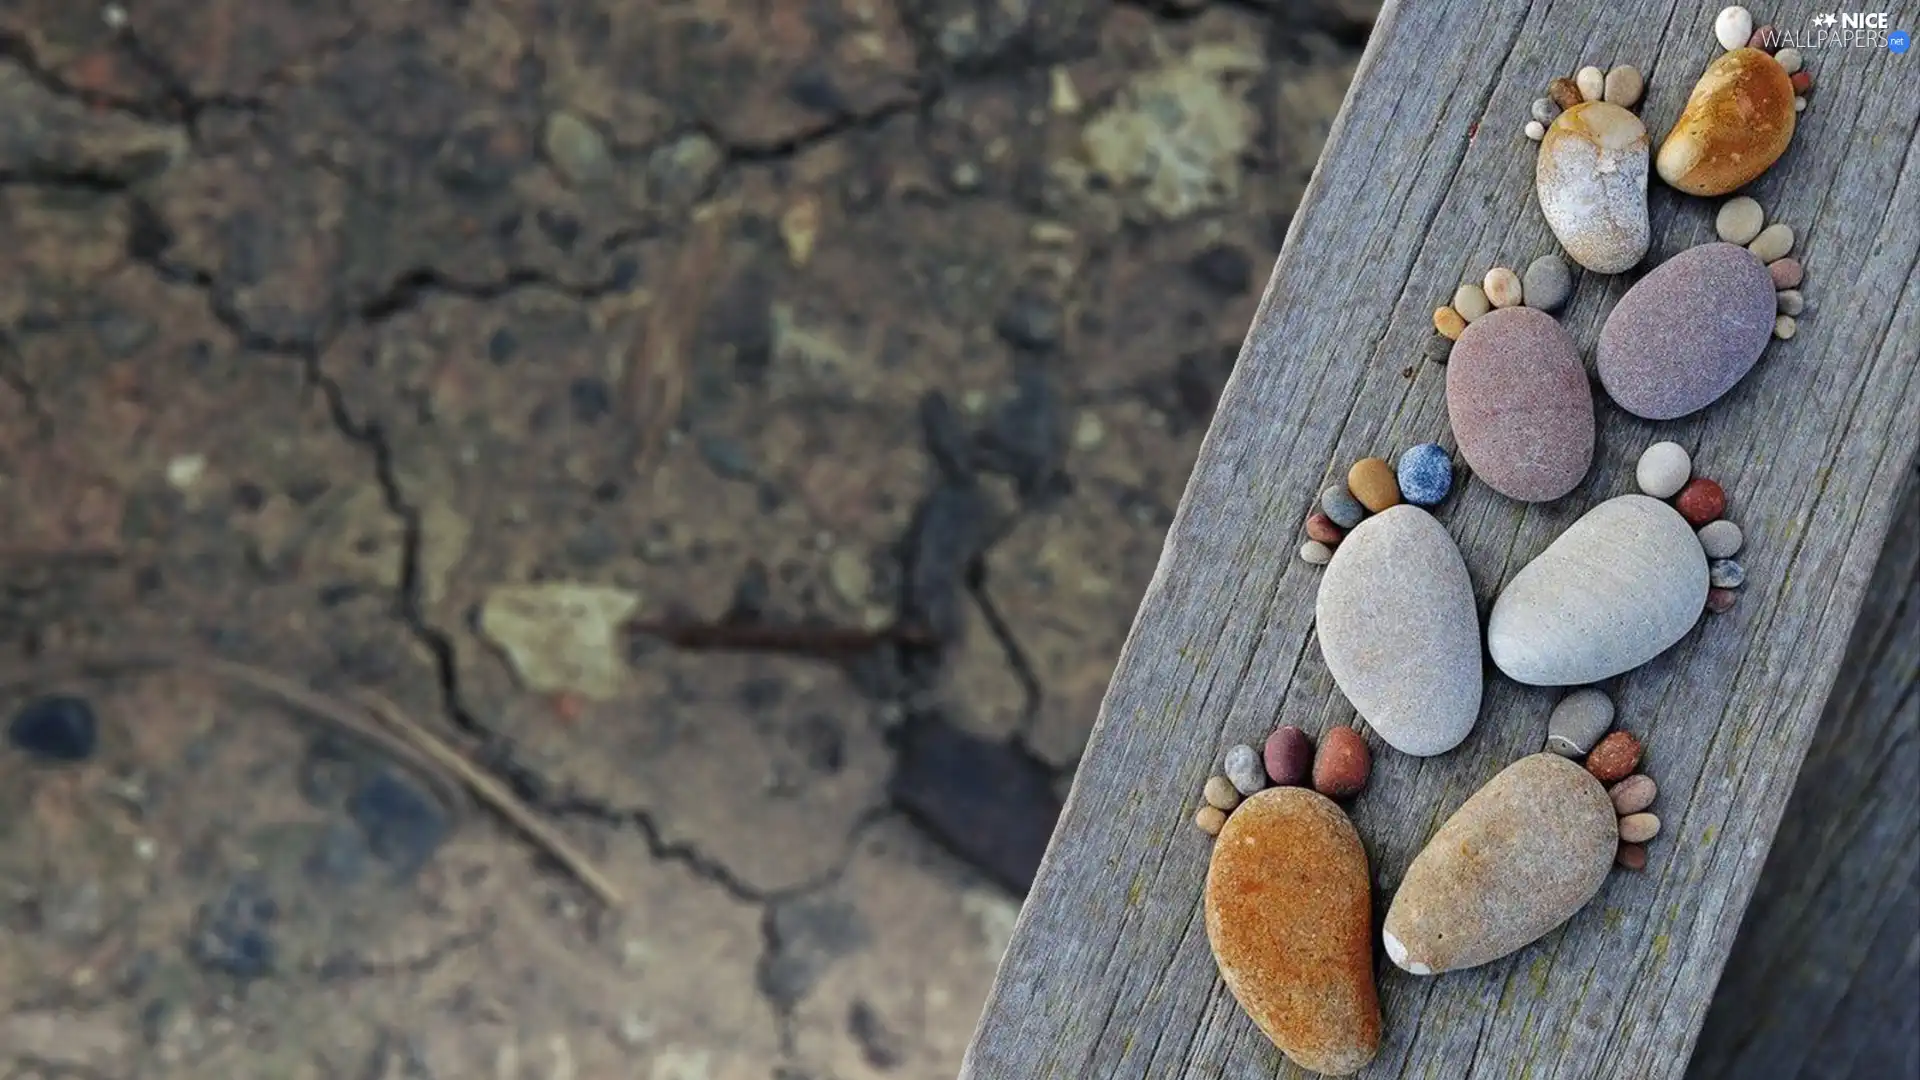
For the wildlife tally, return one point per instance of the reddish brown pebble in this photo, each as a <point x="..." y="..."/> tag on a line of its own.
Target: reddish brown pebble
<point x="1615" y="757"/>
<point x="1786" y="273"/>
<point x="1721" y="601"/>
<point x="1340" y="768"/>
<point x="1565" y="92"/>
<point x="1631" y="856"/>
<point x="1766" y="39"/>
<point x="1321" y="527"/>
<point x="1700" y="501"/>
<point x="1802" y="81"/>
<point x="1289" y="757"/>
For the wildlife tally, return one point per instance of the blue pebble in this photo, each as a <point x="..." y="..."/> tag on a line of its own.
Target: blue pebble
<point x="1341" y="507"/>
<point x="55" y="728"/>
<point x="1425" y="474"/>
<point x="1726" y="574"/>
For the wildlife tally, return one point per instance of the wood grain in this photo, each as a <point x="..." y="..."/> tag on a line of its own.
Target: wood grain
<point x="1825" y="975"/>
<point x="1109" y="975"/>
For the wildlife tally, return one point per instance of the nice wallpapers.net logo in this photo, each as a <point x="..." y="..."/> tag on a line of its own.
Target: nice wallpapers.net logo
<point x="1844" y="30"/>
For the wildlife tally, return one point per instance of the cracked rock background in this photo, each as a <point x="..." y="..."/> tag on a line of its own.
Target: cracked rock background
<point x="745" y="436"/>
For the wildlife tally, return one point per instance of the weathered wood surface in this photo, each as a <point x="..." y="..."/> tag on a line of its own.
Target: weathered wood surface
<point x="1109" y="973"/>
<point x="1825" y="975"/>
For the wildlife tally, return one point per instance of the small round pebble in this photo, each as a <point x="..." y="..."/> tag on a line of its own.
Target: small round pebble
<point x="1799" y="104"/>
<point x="1786" y="273"/>
<point x="1544" y="110"/>
<point x="1564" y="92"/>
<point x="1634" y="794"/>
<point x="1721" y="539"/>
<point x="1341" y="507"/>
<point x="1774" y="242"/>
<point x="1315" y="553"/>
<point x="1615" y="757"/>
<point x="1471" y="301"/>
<point x="1789" y="58"/>
<point x="1439" y="349"/>
<point x="1624" y="86"/>
<point x="1802" y="81"/>
<point x="1631" y="857"/>
<point x="1534" y="129"/>
<point x="1700" y="501"/>
<point x="1502" y="287"/>
<point x="1289" y="757"/>
<point x="1721" y="601"/>
<point x="1425" y="475"/>
<point x="1639" y="828"/>
<point x="1663" y="470"/>
<point x="1784" y="327"/>
<point x="1220" y="794"/>
<point x="1340" y="768"/>
<point x="1592" y="83"/>
<point x="1210" y="819"/>
<point x="1733" y="26"/>
<point x="1449" y="323"/>
<point x="1726" y="574"/>
<point x="1579" y="722"/>
<point x="1244" y="767"/>
<point x="58" y="727"/>
<point x="1321" y="527"/>
<point x="1740" y="220"/>
<point x="1790" y="301"/>
<point x="1547" y="283"/>
<point x="1373" y="482"/>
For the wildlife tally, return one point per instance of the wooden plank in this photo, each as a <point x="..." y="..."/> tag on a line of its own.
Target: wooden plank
<point x="1825" y="975"/>
<point x="1109" y="975"/>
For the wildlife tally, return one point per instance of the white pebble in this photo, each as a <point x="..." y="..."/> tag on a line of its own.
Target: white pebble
<point x="1784" y="327"/>
<point x="1624" y="86"/>
<point x="1791" y="301"/>
<point x="1733" y="26"/>
<point x="1721" y="539"/>
<point x="1799" y="104"/>
<point x="1315" y="553"/>
<point x="1470" y="301"/>
<point x="1502" y="287"/>
<point x="1663" y="469"/>
<point x="1592" y="83"/>
<point x="1774" y="242"/>
<point x="185" y="471"/>
<point x="1789" y="58"/>
<point x="1740" y="220"/>
<point x="1245" y="769"/>
<point x="1535" y="130"/>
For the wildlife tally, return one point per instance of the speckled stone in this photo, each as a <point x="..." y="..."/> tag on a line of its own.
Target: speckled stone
<point x="1520" y="405"/>
<point x="1634" y="794"/>
<point x="1288" y="756"/>
<point x="1592" y="83"/>
<point x="1579" y="722"/>
<point x="1219" y="793"/>
<point x="1289" y="914"/>
<point x="1591" y="181"/>
<point x="1400" y="633"/>
<point x="1547" y="283"/>
<point x="1502" y="287"/>
<point x="1615" y="758"/>
<point x="1618" y="588"/>
<point x="1786" y="273"/>
<point x="1721" y="539"/>
<point x="1315" y="553"/>
<point x="1726" y="574"/>
<point x="1471" y="302"/>
<point x="1425" y="475"/>
<point x="1663" y="469"/>
<point x="1737" y="122"/>
<point x="1518" y="859"/>
<point x="1341" y="507"/>
<point x="1341" y="766"/>
<point x="1687" y="332"/>
<point x="1700" y="501"/>
<point x="1373" y="482"/>
<point x="1244" y="768"/>
<point x="1739" y="220"/>
<point x="1544" y="110"/>
<point x="1624" y="86"/>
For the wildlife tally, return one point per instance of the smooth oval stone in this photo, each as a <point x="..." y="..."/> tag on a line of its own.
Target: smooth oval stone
<point x="1738" y="121"/>
<point x="1515" y="861"/>
<point x="1687" y="332"/>
<point x="1520" y="405"/>
<point x="1289" y="910"/>
<point x="1591" y="179"/>
<point x="1617" y="589"/>
<point x="1400" y="633"/>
